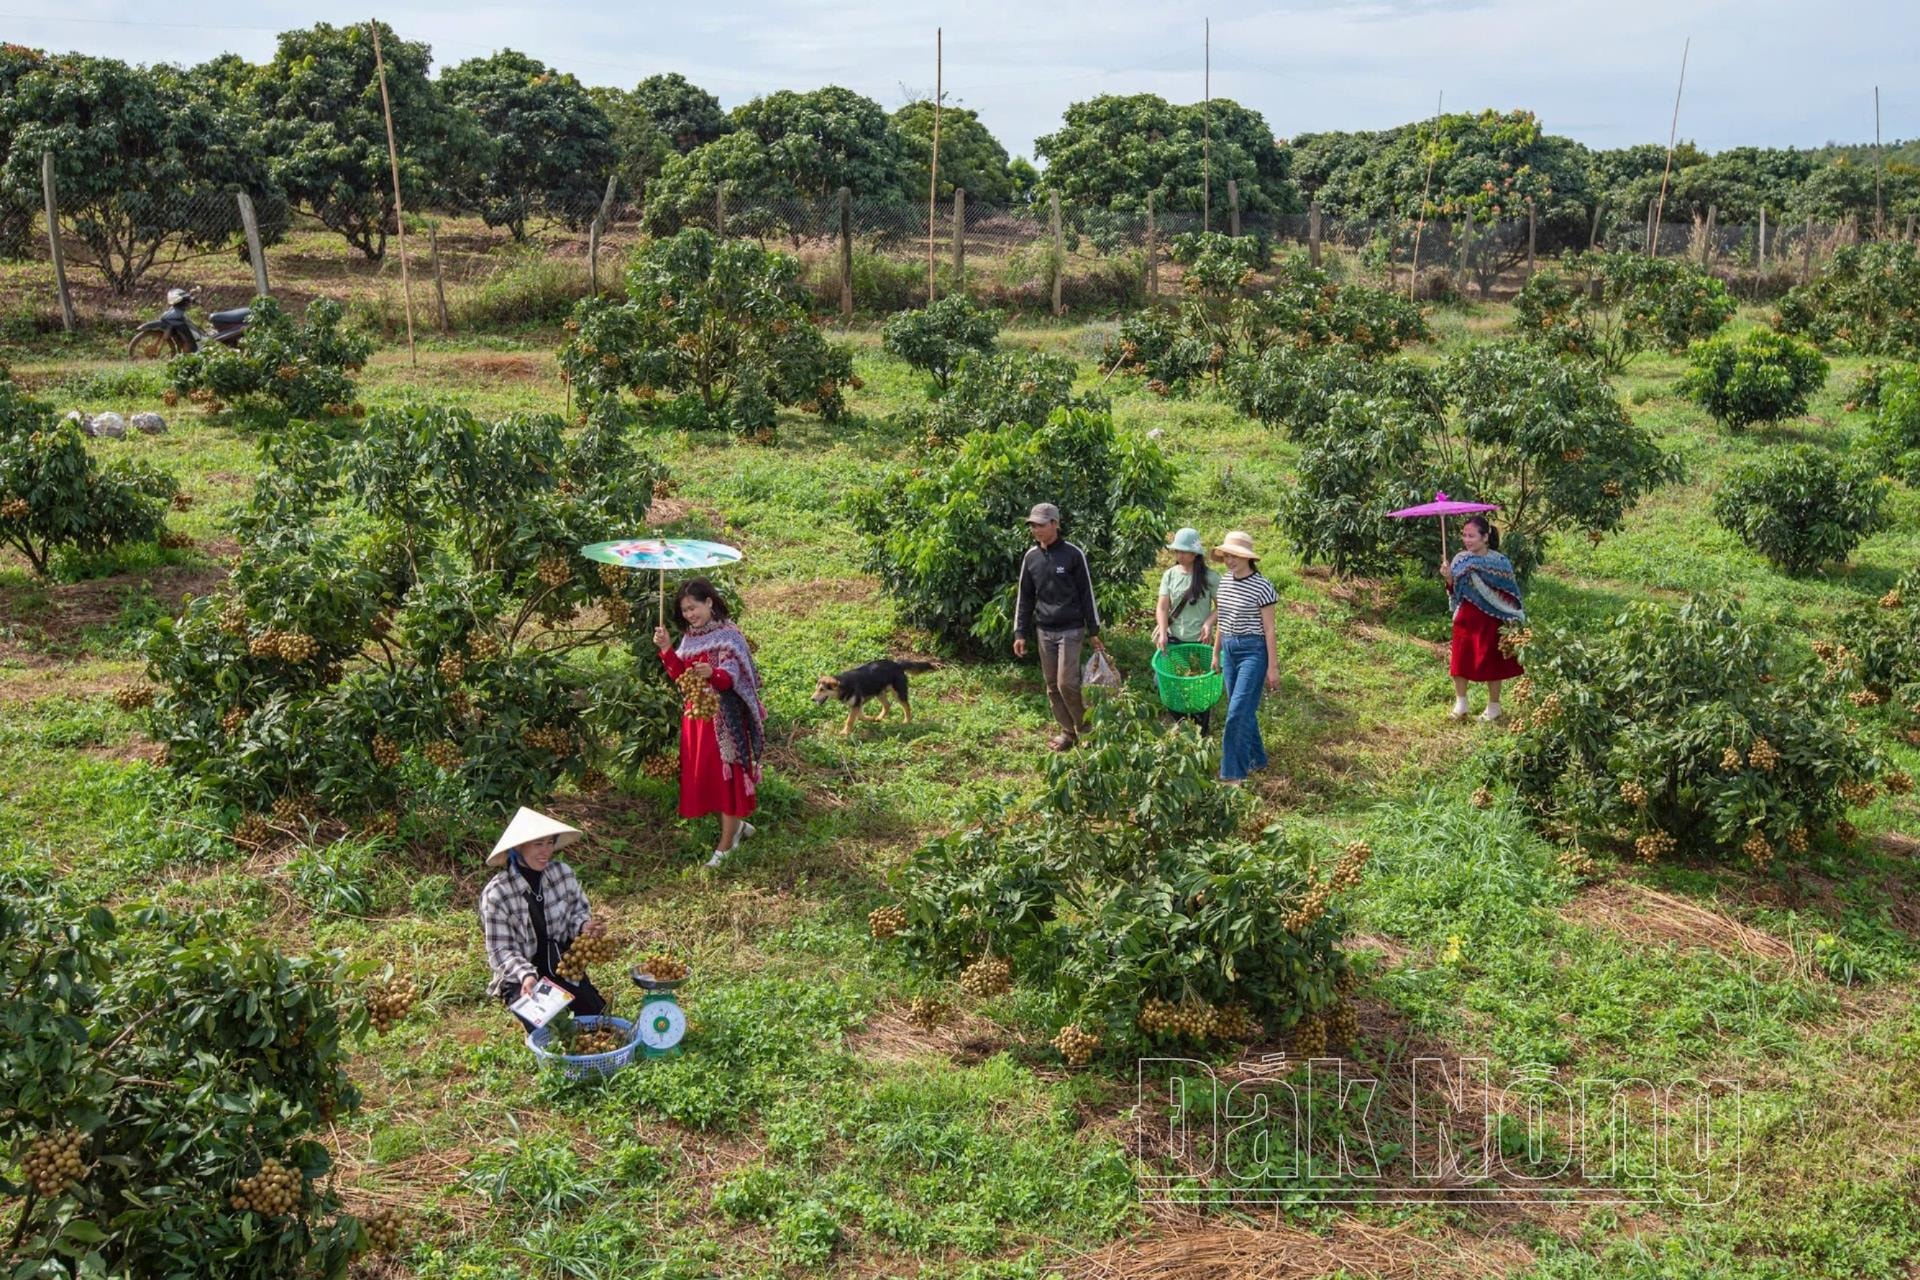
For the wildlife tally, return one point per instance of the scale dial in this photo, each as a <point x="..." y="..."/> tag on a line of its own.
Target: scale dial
<point x="661" y="1023"/>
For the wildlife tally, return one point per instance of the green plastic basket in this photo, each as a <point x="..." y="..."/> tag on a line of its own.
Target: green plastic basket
<point x="1183" y="693"/>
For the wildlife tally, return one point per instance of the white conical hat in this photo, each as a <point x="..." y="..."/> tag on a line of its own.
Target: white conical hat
<point x="530" y="825"/>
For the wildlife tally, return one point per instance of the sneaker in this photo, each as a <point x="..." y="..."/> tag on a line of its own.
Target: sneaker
<point x="740" y="833"/>
<point x="1493" y="713"/>
<point x="1061" y="742"/>
<point x="719" y="856"/>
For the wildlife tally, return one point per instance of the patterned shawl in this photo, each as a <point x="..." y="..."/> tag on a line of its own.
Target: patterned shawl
<point x="740" y="723"/>
<point x="1487" y="582"/>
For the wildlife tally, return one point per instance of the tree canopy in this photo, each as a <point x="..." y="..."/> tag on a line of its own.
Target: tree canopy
<point x="325" y="140"/>
<point x="549" y="146"/>
<point x="1113" y="150"/>
<point x="971" y="158"/>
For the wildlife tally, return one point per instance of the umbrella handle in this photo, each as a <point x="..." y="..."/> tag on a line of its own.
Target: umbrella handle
<point x="1443" y="539"/>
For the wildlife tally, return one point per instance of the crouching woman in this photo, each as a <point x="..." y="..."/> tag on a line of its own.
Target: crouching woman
<point x="533" y="909"/>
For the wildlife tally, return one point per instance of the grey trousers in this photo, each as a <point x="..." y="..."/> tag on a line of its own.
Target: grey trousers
<point x="1060" y="667"/>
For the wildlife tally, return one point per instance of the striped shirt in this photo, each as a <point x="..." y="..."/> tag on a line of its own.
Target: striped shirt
<point x="508" y="928"/>
<point x="1239" y="601"/>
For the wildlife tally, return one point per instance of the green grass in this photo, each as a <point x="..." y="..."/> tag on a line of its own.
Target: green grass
<point x="808" y="1129"/>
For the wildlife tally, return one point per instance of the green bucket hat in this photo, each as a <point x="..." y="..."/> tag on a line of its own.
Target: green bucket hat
<point x="1187" y="540"/>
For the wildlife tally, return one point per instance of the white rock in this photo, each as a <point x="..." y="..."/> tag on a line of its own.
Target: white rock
<point x="1155" y="434"/>
<point x="111" y="425"/>
<point x="150" y="423"/>
<point x="81" y="420"/>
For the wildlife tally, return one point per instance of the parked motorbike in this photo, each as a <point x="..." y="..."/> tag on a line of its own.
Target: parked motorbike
<point x="175" y="334"/>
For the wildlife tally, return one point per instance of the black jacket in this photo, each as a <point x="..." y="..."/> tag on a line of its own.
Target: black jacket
<point x="1056" y="591"/>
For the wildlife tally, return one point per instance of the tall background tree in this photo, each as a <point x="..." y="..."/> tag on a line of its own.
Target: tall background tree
<point x="1111" y="151"/>
<point x="322" y="131"/>
<point x="971" y="158"/>
<point x="549" y="146"/>
<point x="145" y="158"/>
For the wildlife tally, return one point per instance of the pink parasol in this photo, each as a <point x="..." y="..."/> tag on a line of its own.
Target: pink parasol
<point x="1442" y="506"/>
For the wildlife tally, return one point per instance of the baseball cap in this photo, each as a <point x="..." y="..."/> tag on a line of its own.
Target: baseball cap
<point x="1043" y="513"/>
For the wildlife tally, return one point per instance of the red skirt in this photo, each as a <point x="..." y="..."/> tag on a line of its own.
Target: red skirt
<point x="1476" y="646"/>
<point x="702" y="788"/>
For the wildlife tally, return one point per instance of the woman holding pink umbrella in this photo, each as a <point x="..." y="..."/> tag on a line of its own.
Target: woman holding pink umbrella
<point x="1484" y="593"/>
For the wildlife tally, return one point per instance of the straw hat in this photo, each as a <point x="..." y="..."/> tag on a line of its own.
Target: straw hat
<point x="529" y="825"/>
<point x="1239" y="544"/>
<point x="1187" y="540"/>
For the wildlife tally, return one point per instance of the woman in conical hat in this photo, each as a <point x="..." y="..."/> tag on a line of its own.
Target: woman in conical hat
<point x="533" y="909"/>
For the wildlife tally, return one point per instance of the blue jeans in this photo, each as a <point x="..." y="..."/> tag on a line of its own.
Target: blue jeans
<point x="1243" y="668"/>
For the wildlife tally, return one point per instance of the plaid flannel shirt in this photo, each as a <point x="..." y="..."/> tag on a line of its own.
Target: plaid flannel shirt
<point x="508" y="928"/>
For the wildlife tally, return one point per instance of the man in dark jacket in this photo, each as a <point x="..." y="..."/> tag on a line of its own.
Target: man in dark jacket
<point x="1055" y="605"/>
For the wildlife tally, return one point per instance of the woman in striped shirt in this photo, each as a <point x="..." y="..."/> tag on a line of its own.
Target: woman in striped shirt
<point x="1243" y="650"/>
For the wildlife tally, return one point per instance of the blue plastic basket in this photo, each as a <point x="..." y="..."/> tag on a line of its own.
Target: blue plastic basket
<point x="580" y="1066"/>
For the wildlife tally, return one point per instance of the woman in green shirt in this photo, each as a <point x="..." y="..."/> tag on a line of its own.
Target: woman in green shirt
<point x="1184" y="612"/>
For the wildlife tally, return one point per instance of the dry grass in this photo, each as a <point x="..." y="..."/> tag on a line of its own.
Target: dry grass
<point x="1647" y="915"/>
<point x="1351" y="1248"/>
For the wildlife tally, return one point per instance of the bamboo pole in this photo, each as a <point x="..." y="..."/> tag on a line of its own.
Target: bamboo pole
<point x="1206" y="140"/>
<point x="933" y="169"/>
<point x="399" y="209"/>
<point x="67" y="319"/>
<point x="1426" y="188"/>
<point x="1673" y="133"/>
<point x="1877" y="166"/>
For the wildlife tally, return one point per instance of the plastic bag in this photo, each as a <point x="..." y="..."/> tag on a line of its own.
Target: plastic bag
<point x="1100" y="673"/>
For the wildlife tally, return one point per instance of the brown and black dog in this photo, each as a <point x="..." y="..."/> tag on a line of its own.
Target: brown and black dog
<point x="866" y="682"/>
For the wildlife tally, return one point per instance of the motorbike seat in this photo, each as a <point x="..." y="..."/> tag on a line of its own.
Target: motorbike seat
<point x="236" y="316"/>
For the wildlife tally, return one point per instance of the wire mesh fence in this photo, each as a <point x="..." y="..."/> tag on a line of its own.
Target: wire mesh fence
<point x="473" y="266"/>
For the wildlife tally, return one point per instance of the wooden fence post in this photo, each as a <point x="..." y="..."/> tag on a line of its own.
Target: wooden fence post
<point x="1466" y="247"/>
<point x="960" y="239"/>
<point x="594" y="232"/>
<point x="53" y="241"/>
<point x="1313" y="232"/>
<point x="1761" y="263"/>
<point x="1153" y="255"/>
<point x="1233" y="208"/>
<point x="439" y="281"/>
<point x="1806" y="253"/>
<point x="1593" y="237"/>
<point x="846" y="252"/>
<point x="1530" y="237"/>
<point x="251" y="226"/>
<point x="720" y="210"/>
<point x="1653" y="233"/>
<point x="1706" y="236"/>
<point x="1059" y="249"/>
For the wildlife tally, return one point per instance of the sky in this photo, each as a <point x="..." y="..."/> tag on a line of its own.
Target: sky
<point x="1759" y="72"/>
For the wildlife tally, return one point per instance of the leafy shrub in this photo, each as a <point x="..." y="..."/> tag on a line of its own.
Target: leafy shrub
<point x="432" y="652"/>
<point x="946" y="540"/>
<point x="1609" y="307"/>
<point x="1881" y="640"/>
<point x="53" y="496"/>
<point x="533" y="288"/>
<point x="1306" y="307"/>
<point x="1505" y="422"/>
<point x="1295" y="390"/>
<point x="1154" y="344"/>
<point x="1136" y="880"/>
<point x="1800" y="508"/>
<point x="1366" y="459"/>
<point x="184" y="1054"/>
<point x="1764" y="377"/>
<point x="937" y="338"/>
<point x="291" y="370"/>
<point x="1690" y="731"/>
<point x="713" y="334"/>
<point x="1894" y="435"/>
<point x="1005" y="388"/>
<point x="1216" y="326"/>
<point x="1867" y="301"/>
